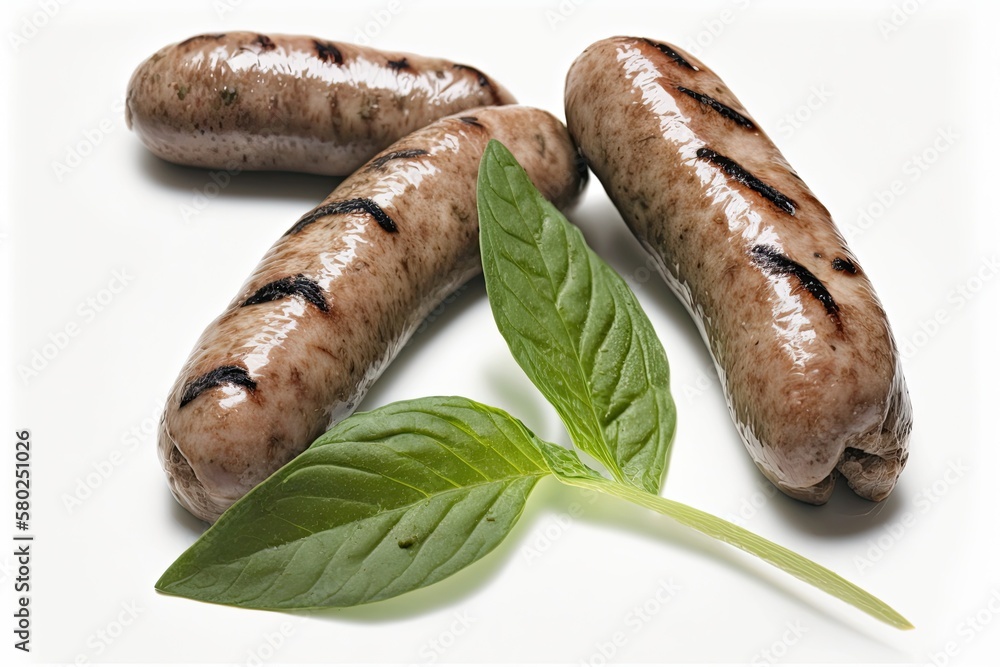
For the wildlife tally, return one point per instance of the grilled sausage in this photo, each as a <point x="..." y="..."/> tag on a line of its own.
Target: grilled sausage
<point x="336" y="297"/>
<point x="291" y="103"/>
<point x="800" y="340"/>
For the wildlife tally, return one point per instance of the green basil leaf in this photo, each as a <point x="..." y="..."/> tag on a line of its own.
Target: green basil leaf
<point x="574" y="326"/>
<point x="386" y="502"/>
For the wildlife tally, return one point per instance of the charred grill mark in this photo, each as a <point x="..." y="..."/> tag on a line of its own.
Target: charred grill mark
<point x="222" y="375"/>
<point x="719" y="107"/>
<point x="326" y="52"/>
<point x="198" y="38"/>
<point x="741" y="175"/>
<point x="773" y="262"/>
<point x="480" y="77"/>
<point x="346" y="206"/>
<point x="470" y="120"/>
<point x="672" y="54"/>
<point x="400" y="64"/>
<point x="382" y="160"/>
<point x="290" y="286"/>
<point x="844" y="264"/>
<point x="266" y="44"/>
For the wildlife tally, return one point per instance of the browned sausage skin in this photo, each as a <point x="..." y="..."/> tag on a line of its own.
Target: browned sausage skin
<point x="800" y="340"/>
<point x="335" y="298"/>
<point x="291" y="103"/>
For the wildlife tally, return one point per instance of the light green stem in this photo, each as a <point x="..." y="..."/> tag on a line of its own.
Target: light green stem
<point x="777" y="555"/>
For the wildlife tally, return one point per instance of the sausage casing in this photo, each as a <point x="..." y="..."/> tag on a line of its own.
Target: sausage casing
<point x="335" y="298"/>
<point x="291" y="103"/>
<point x="802" y="345"/>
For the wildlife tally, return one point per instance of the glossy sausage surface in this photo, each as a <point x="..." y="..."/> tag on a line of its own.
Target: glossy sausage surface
<point x="291" y="103"/>
<point x="337" y="296"/>
<point x="800" y="340"/>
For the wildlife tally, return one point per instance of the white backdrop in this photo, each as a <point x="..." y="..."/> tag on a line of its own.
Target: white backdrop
<point x="888" y="111"/>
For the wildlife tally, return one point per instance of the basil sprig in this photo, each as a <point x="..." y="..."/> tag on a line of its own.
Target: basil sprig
<point x="398" y="498"/>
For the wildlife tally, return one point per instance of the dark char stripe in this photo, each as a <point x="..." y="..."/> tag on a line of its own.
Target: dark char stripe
<point x="382" y="160"/>
<point x="470" y="120"/>
<point x="326" y="52"/>
<point x="844" y="264"/>
<point x="672" y="54"/>
<point x="735" y="171"/>
<point x="719" y="107"/>
<point x="398" y="65"/>
<point x="290" y="286"/>
<point x="771" y="260"/>
<point x="221" y="375"/>
<point x="480" y="77"/>
<point x="266" y="43"/>
<point x="346" y="206"/>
